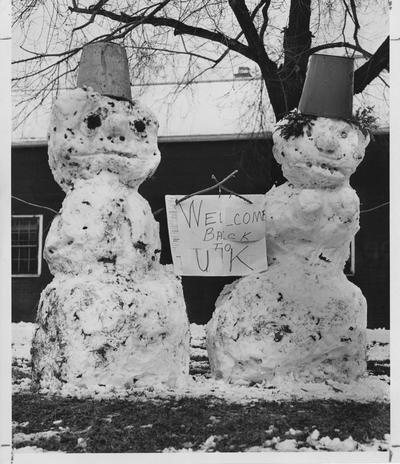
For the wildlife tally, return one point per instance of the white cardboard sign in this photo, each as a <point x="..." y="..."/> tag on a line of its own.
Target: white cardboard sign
<point x="217" y="235"/>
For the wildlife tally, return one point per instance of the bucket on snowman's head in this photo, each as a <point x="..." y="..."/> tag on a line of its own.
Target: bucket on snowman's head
<point x="104" y="67"/>
<point x="328" y="88"/>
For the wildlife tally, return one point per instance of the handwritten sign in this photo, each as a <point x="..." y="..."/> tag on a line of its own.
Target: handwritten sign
<point x="213" y="235"/>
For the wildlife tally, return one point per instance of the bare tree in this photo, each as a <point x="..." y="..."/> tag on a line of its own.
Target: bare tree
<point x="277" y="35"/>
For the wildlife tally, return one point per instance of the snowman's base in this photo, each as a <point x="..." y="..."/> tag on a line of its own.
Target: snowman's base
<point x="101" y="330"/>
<point x="311" y="325"/>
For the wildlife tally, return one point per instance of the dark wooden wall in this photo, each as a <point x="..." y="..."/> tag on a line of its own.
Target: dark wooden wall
<point x="186" y="167"/>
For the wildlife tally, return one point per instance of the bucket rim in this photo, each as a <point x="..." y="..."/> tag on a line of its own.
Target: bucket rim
<point x="104" y="42"/>
<point x="332" y="56"/>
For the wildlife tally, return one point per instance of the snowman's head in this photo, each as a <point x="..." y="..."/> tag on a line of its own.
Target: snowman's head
<point x="319" y="152"/>
<point x="90" y="133"/>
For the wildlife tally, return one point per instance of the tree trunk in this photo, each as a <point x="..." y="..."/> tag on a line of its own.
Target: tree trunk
<point x="284" y="90"/>
<point x="285" y="84"/>
<point x="276" y="93"/>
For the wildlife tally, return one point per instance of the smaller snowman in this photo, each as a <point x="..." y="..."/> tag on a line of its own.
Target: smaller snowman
<point x="302" y="316"/>
<point x="113" y="315"/>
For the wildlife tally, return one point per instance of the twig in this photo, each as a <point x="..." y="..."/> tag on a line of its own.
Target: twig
<point x="237" y="195"/>
<point x="374" y="208"/>
<point x="34" y="204"/>
<point x="231" y="191"/>
<point x="333" y="387"/>
<point x="265" y="20"/>
<point x="178" y="27"/>
<point x="158" y="211"/>
<point x="208" y="189"/>
<point x="95" y="8"/>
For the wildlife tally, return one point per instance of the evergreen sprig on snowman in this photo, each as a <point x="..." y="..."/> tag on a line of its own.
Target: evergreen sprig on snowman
<point x="302" y="317"/>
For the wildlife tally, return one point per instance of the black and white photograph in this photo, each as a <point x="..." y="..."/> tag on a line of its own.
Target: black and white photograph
<point x="199" y="236"/>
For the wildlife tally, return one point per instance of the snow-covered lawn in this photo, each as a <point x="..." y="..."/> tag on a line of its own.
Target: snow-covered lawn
<point x="288" y="415"/>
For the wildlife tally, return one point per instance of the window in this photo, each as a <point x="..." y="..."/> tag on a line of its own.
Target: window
<point x="26" y="237"/>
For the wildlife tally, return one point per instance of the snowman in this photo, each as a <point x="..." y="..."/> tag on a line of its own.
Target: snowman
<point x="112" y="316"/>
<point x="302" y="317"/>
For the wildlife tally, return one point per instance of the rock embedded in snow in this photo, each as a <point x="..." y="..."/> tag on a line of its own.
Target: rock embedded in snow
<point x="301" y="316"/>
<point x="112" y="316"/>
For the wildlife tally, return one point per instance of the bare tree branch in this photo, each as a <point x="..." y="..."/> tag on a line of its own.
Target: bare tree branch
<point x="44" y="55"/>
<point x="178" y="27"/>
<point x="176" y="52"/>
<point x="197" y="23"/>
<point x="95" y="9"/>
<point x="318" y="48"/>
<point x="378" y="62"/>
<point x="352" y="11"/>
<point x="265" y="19"/>
<point x="257" y="8"/>
<point x="52" y="65"/>
<point x="242" y="14"/>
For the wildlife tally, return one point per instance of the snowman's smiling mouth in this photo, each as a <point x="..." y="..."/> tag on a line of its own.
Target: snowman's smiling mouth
<point x="324" y="168"/>
<point x="104" y="152"/>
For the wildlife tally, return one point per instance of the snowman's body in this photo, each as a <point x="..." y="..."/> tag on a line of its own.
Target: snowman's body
<point x="301" y="316"/>
<point x="112" y="315"/>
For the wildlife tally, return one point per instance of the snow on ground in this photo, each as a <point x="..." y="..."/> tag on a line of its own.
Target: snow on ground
<point x="200" y="383"/>
<point x="32" y="437"/>
<point x="22" y="334"/>
<point x="321" y="444"/>
<point x="378" y="352"/>
<point x="294" y="441"/>
<point x="34" y="449"/>
<point x="378" y="345"/>
<point x="378" y="336"/>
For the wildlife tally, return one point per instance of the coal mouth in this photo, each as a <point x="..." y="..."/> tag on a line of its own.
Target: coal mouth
<point x="118" y="154"/>
<point x="327" y="168"/>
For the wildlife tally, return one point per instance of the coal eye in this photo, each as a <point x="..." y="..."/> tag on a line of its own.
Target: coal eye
<point x="343" y="134"/>
<point x="140" y="126"/>
<point x="93" y="121"/>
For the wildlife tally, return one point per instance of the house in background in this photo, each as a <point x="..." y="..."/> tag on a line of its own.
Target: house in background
<point x="208" y="128"/>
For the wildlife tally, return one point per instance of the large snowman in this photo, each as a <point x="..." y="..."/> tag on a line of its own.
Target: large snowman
<point x="112" y="315"/>
<point x="302" y="316"/>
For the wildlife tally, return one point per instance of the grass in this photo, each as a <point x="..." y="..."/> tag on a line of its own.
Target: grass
<point x="109" y="426"/>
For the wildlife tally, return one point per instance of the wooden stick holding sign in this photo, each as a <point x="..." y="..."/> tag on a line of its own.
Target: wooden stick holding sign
<point x="209" y="189"/>
<point x="225" y="189"/>
<point x="213" y="187"/>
